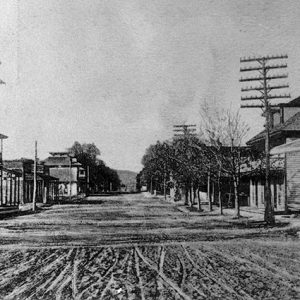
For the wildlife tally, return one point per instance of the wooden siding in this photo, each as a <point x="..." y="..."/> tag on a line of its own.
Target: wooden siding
<point x="293" y="179"/>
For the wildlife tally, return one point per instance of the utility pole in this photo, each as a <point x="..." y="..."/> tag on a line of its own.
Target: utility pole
<point x="263" y="67"/>
<point x="34" y="177"/>
<point x="184" y="130"/>
<point x="181" y="132"/>
<point x="2" y="137"/>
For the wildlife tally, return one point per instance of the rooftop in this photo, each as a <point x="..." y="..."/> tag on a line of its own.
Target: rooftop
<point x="293" y="103"/>
<point x="60" y="161"/>
<point x="64" y="175"/>
<point x="60" y="153"/>
<point x="292" y="124"/>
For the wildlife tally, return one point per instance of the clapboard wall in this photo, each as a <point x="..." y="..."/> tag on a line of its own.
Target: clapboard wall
<point x="293" y="179"/>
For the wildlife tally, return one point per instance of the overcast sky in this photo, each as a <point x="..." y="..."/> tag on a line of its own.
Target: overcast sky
<point x="121" y="73"/>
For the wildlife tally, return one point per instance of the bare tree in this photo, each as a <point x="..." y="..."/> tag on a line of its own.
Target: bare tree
<point x="224" y="132"/>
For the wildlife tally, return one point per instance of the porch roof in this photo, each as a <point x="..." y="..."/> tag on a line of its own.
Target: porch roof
<point x="293" y="146"/>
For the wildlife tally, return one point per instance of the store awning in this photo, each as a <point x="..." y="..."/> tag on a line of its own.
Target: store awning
<point x="293" y="146"/>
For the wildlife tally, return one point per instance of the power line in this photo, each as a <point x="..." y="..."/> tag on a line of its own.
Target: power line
<point x="184" y="130"/>
<point x="263" y="68"/>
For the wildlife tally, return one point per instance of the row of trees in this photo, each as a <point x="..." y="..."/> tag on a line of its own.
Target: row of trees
<point x="100" y="177"/>
<point x="190" y="162"/>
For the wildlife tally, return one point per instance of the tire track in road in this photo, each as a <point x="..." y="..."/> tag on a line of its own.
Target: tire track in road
<point x="48" y="273"/>
<point x="107" y="286"/>
<point x="89" y="267"/>
<point x="231" y="268"/>
<point x="91" y="291"/>
<point x="151" y="265"/>
<point x="188" y="271"/>
<point x="275" y="278"/>
<point x="10" y="258"/>
<point x="183" y="272"/>
<point x="74" y="276"/>
<point x="257" y="259"/>
<point x="29" y="270"/>
<point x="161" y="259"/>
<point x="63" y="277"/>
<point x="140" y="281"/>
<point x="257" y="263"/>
<point x="224" y="288"/>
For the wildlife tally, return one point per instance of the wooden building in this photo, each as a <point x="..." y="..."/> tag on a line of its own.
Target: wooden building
<point x="11" y="193"/>
<point x="285" y="169"/>
<point x="70" y="173"/>
<point x="290" y="152"/>
<point x="257" y="188"/>
<point x="17" y="183"/>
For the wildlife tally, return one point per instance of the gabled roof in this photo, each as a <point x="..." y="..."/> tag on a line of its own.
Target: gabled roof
<point x="292" y="124"/>
<point x="60" y="153"/>
<point x="293" y="103"/>
<point x="60" y="161"/>
<point x="57" y="161"/>
<point x="64" y="175"/>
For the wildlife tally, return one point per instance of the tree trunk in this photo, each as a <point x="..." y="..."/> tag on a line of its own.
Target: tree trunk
<point x="236" y="199"/>
<point x="220" y="203"/>
<point x="165" y="190"/>
<point x="199" y="200"/>
<point x="219" y="193"/>
<point x="208" y="193"/>
<point x="191" y="197"/>
<point x="186" y="200"/>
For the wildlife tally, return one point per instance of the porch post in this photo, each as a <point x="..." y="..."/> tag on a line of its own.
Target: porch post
<point x="15" y="189"/>
<point x="285" y="196"/>
<point x="251" y="192"/>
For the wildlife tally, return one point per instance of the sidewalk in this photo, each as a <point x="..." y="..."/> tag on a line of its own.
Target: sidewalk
<point x="10" y="211"/>
<point x="251" y="213"/>
<point x="254" y="215"/>
<point x="4" y="210"/>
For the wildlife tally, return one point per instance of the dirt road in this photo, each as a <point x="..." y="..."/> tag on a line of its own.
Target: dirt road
<point x="131" y="247"/>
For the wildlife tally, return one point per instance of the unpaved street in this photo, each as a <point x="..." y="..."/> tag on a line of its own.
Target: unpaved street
<point x="132" y="247"/>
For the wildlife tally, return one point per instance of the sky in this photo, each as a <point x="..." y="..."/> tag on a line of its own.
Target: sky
<point x="122" y="73"/>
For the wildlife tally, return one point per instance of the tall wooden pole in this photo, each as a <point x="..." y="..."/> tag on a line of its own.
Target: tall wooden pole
<point x="34" y="178"/>
<point x="269" y="209"/>
<point x="165" y="187"/>
<point x="182" y="132"/>
<point x="264" y="78"/>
